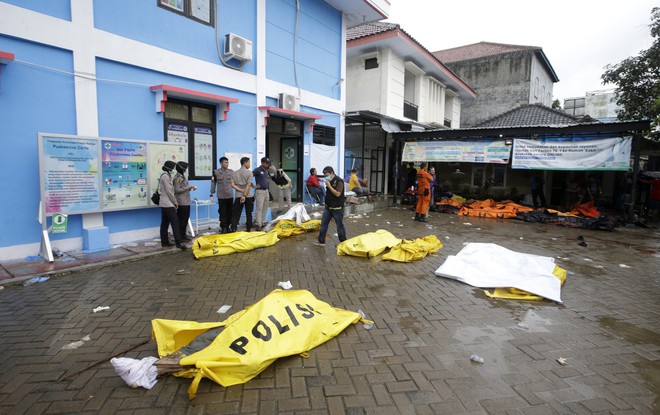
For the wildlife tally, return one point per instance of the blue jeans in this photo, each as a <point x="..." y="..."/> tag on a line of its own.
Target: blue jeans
<point x="338" y="215"/>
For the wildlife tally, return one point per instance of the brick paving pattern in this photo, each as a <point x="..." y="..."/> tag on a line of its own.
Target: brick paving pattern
<point x="416" y="360"/>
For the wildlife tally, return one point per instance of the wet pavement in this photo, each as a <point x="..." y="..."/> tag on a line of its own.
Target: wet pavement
<point x="54" y="349"/>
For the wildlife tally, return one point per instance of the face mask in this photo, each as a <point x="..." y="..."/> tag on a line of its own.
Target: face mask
<point x="327" y="178"/>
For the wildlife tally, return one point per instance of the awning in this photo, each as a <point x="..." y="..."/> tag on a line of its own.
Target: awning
<point x="164" y="91"/>
<point x="284" y="113"/>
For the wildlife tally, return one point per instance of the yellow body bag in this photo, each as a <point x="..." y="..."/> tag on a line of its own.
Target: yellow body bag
<point x="283" y="323"/>
<point x="229" y="243"/>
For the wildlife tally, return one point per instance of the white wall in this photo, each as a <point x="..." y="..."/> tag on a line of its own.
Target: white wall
<point x="363" y="87"/>
<point x="545" y="84"/>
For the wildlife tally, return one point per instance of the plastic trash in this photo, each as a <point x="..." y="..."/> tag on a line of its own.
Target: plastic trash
<point x="624" y="266"/>
<point x="367" y="326"/>
<point x="57" y="252"/>
<point x="35" y="280"/>
<point x="136" y="373"/>
<point x="224" y="309"/>
<point x="150" y="244"/>
<point x="522" y="325"/>
<point x="67" y="259"/>
<point x="476" y="358"/>
<point x="33" y="257"/>
<point x="561" y="361"/>
<point x="286" y="285"/>
<point x="583" y="244"/>
<point x="101" y="308"/>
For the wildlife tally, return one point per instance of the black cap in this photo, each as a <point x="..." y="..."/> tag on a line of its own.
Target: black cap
<point x="265" y="160"/>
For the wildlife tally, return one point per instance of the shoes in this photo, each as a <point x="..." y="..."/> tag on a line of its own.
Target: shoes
<point x="417" y="216"/>
<point x="422" y="218"/>
<point x="181" y="247"/>
<point x="166" y="245"/>
<point x="317" y="243"/>
<point x="232" y="229"/>
<point x="186" y="239"/>
<point x="259" y="228"/>
<point x="225" y="230"/>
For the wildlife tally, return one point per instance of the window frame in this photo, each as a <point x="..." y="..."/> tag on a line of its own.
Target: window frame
<point x="190" y="145"/>
<point x="188" y="13"/>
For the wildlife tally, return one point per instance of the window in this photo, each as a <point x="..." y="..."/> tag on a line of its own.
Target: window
<point x="198" y="10"/>
<point x="371" y="63"/>
<point x="324" y="135"/>
<point x="536" y="87"/>
<point x="193" y="124"/>
<point x="488" y="175"/>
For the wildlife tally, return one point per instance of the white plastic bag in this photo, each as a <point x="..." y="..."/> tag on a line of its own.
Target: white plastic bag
<point x="136" y="372"/>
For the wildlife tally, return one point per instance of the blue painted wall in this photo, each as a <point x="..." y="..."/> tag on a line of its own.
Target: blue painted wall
<point x="148" y="23"/>
<point x="32" y="100"/>
<point x="319" y="45"/>
<point x="128" y="110"/>
<point x="56" y="8"/>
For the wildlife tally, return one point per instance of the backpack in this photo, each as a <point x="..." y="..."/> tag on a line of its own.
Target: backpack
<point x="279" y="178"/>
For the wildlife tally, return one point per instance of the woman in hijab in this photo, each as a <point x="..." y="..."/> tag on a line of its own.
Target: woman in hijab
<point x="168" y="205"/>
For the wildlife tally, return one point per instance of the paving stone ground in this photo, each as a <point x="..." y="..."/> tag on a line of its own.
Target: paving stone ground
<point x="416" y="360"/>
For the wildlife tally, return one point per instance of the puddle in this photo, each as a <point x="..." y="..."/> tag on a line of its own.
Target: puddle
<point x="411" y="323"/>
<point x="650" y="371"/>
<point x="630" y="332"/>
<point x="380" y="289"/>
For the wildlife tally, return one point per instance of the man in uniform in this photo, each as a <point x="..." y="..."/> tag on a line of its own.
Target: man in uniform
<point x="221" y="181"/>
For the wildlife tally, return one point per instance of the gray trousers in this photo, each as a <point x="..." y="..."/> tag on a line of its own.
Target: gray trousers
<point x="261" y="207"/>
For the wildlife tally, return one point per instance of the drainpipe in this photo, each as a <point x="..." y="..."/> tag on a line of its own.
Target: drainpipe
<point x="635" y="148"/>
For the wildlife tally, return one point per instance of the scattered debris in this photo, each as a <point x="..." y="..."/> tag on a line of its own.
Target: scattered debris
<point x="57" y="252"/>
<point x="561" y="361"/>
<point x="68" y="259"/>
<point x="466" y="223"/>
<point x="521" y="238"/>
<point x="35" y="280"/>
<point x="476" y="358"/>
<point x="370" y="324"/>
<point x="150" y="244"/>
<point x="522" y="325"/>
<point x="136" y="373"/>
<point x="131" y="244"/>
<point x="75" y="345"/>
<point x="182" y="272"/>
<point x="223" y="309"/>
<point x="624" y="266"/>
<point x="286" y="285"/>
<point x="583" y="244"/>
<point x="101" y="308"/>
<point x="33" y="257"/>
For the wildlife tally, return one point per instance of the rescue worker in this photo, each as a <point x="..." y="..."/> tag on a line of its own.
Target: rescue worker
<point x="424" y="180"/>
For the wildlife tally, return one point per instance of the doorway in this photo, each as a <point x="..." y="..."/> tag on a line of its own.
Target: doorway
<point x="284" y="138"/>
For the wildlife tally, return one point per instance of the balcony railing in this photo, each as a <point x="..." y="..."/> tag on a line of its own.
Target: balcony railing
<point x="410" y="110"/>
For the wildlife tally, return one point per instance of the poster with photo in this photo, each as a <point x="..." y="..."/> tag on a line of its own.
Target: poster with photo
<point x="69" y="174"/>
<point x="177" y="133"/>
<point x="123" y="174"/>
<point x="203" y="151"/>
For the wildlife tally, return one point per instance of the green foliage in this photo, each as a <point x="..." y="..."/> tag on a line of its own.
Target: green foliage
<point x="556" y="105"/>
<point x="638" y="82"/>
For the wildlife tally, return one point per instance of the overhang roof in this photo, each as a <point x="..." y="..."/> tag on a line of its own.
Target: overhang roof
<point x="361" y="11"/>
<point x="371" y="37"/>
<point x="484" y="49"/>
<point x="530" y="115"/>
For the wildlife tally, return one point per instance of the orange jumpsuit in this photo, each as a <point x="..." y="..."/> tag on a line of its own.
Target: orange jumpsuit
<point x="424" y="180"/>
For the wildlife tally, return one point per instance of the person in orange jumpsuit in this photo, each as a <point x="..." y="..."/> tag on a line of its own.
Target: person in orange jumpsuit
<point x="424" y="180"/>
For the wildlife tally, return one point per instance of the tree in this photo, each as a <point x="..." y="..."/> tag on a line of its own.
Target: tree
<point x="556" y="105"/>
<point x="637" y="81"/>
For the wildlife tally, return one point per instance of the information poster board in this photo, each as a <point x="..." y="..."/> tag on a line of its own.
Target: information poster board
<point x="572" y="154"/>
<point x="177" y="133"/>
<point x="159" y="153"/>
<point x="124" y="174"/>
<point x="69" y="174"/>
<point x="235" y="160"/>
<point x="91" y="174"/>
<point x="481" y="151"/>
<point x="203" y="151"/>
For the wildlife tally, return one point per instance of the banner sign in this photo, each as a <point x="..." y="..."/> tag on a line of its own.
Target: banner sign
<point x="124" y="174"/>
<point x="572" y="154"/>
<point x="69" y="168"/>
<point x="482" y="151"/>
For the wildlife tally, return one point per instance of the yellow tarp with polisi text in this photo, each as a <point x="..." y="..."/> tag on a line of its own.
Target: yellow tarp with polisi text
<point x="286" y="227"/>
<point x="283" y="323"/>
<point x="229" y="243"/>
<point x="510" y="293"/>
<point x="408" y="251"/>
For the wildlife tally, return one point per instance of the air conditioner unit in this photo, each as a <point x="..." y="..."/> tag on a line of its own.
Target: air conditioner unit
<point x="237" y="47"/>
<point x="288" y="102"/>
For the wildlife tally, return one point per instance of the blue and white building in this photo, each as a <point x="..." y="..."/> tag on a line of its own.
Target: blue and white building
<point x="250" y="77"/>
